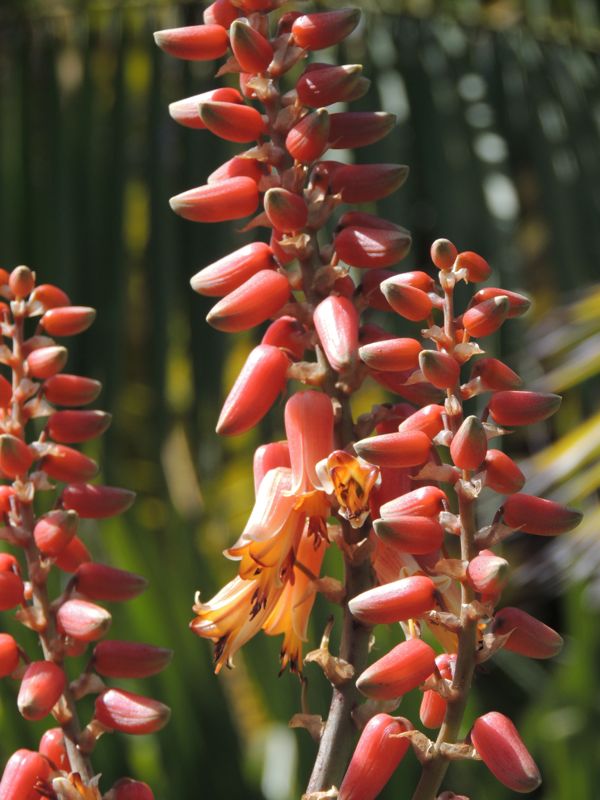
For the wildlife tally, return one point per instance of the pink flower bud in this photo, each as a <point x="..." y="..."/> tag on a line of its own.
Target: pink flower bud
<point x="234" y="122"/>
<point x="41" y="687"/>
<point x="487" y="317"/>
<point x="376" y="757"/>
<point x="255" y="390"/>
<point x="469" y="444"/>
<point x="501" y="473"/>
<point x="536" y="515"/>
<point x="433" y="709"/>
<point x="477" y="267"/>
<point x="443" y="254"/>
<point x="52" y="745"/>
<point x="77" y="426"/>
<point x="503" y="752"/>
<point x="267" y="457"/>
<point x="326" y="84"/>
<point x="519" y="304"/>
<point x="96" y="502"/>
<point x="258" y="299"/>
<point x="336" y="323"/>
<point x="406" y="449"/>
<point x="411" y="534"/>
<point x="15" y="456"/>
<point x="68" y="465"/>
<point x="130" y="713"/>
<point x="400" y="600"/>
<point x="371" y="248"/>
<point x="71" y="390"/>
<point x="74" y="554"/>
<point x="194" y="42"/>
<point x="399" y="671"/>
<point x="21" y="281"/>
<point x="408" y="301"/>
<point x="308" y="139"/>
<point x="252" y="51"/>
<point x="114" y="659"/>
<point x="68" y="320"/>
<point x="324" y="29"/>
<point x="233" y="270"/>
<point x="523" y="408"/>
<point x="440" y="369"/>
<point x="349" y="129"/>
<point x="23" y="770"/>
<point x="238" y="167"/>
<point x="427" y="501"/>
<point x="128" y="789"/>
<point x="494" y="375"/>
<point x="9" y="655"/>
<point x="83" y="621"/>
<point x="528" y="636"/>
<point x="286" y="210"/>
<point x="287" y="333"/>
<point x="46" y="361"/>
<point x="186" y="113"/>
<point x="366" y="183"/>
<point x="487" y="573"/>
<point x="54" y="531"/>
<point x="101" y="582"/>
<point x="391" y="355"/>
<point x="427" y="419"/>
<point x="221" y="12"/>
<point x="217" y="202"/>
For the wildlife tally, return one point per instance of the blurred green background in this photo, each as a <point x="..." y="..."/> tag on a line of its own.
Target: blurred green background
<point x="499" y="116"/>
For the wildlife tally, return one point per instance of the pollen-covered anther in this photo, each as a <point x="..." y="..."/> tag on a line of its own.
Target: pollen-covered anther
<point x="351" y="480"/>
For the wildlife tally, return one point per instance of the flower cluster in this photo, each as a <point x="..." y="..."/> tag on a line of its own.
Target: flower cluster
<point x="40" y="419"/>
<point x="405" y="498"/>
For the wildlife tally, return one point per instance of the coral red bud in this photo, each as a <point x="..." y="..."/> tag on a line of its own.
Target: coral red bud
<point x="231" y="271"/>
<point x="77" y="426"/>
<point x="501" y="473"/>
<point x="371" y="248"/>
<point x="74" y="554"/>
<point x="366" y="183"/>
<point x="487" y="317"/>
<point x="336" y="323"/>
<point x="41" y="687"/>
<point x="349" y="129"/>
<point x="186" y="113"/>
<point x="287" y="333"/>
<point x="23" y="770"/>
<point x="128" y="789"/>
<point x="433" y="709"/>
<point x="96" y="502"/>
<point x="52" y="745"/>
<point x="395" y="602"/>
<point x="324" y="29"/>
<point x="83" y="621"/>
<point x="440" y="369"/>
<point x="379" y="751"/>
<point x="370" y="289"/>
<point x="238" y="167"/>
<point x="523" y="408"/>
<point x="114" y="659"/>
<point x="411" y="534"/>
<point x="536" y="515"/>
<point x="54" y="531"/>
<point x="406" y="449"/>
<point x="47" y="296"/>
<point x="469" y="444"/>
<point x="233" y="198"/>
<point x="130" y="713"/>
<point x="252" y="51"/>
<point x="331" y="84"/>
<point x="5" y="392"/>
<point x="519" y="304"/>
<point x="391" y="355"/>
<point x="428" y="501"/>
<point x="528" y="636"/>
<point x="487" y="573"/>
<point x="221" y="12"/>
<point x="194" y="42"/>
<point x="11" y="590"/>
<point x="443" y="254"/>
<point x="494" y="375"/>
<point x="258" y="299"/>
<point x="68" y="465"/>
<point x="21" y="281"/>
<point x="71" y="390"/>
<point x="15" y="456"/>
<point x="235" y="122"/>
<point x="257" y="386"/>
<point x="308" y="139"/>
<point x="268" y="457"/>
<point x="101" y="582"/>
<point x="68" y="320"/>
<point x="46" y="361"/>
<point x="428" y="419"/>
<point x="477" y="267"/>
<point x="408" y="301"/>
<point x="399" y="671"/>
<point x="503" y="752"/>
<point x="286" y="210"/>
<point x="9" y="655"/>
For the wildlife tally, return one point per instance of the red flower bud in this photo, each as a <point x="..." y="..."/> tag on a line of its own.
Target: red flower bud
<point x="288" y="334"/>
<point x="15" y="456"/>
<point x="11" y="590"/>
<point x="286" y="211"/>
<point x="308" y="139"/>
<point x="9" y="655"/>
<point x="349" y="129"/>
<point x="257" y="386"/>
<point x="433" y="709"/>
<point x="370" y="289"/>
<point x="501" y="473"/>
<point x="469" y="444"/>
<point x="536" y="515"/>
<point x="237" y="167"/>
<point x="494" y="375"/>
<point x="83" y="621"/>
<point x="52" y="745"/>
<point x="194" y="42"/>
<point x="233" y="270"/>
<point x="360" y="219"/>
<point x="126" y="788"/>
<point x="399" y="671"/>
<point x="77" y="426"/>
<point x="487" y="317"/>
<point x="427" y="419"/>
<point x="68" y="320"/>
<point x="46" y="361"/>
<point x="523" y="408"/>
<point x="186" y="113"/>
<point x="41" y="687"/>
<point x="411" y="534"/>
<point x="408" y="301"/>
<point x="252" y="51"/>
<point x="235" y="122"/>
<point x="477" y="267"/>
<point x="23" y="770"/>
<point x="96" y="502"/>
<point x="519" y="304"/>
<point x="366" y="183"/>
<point x="503" y="752"/>
<point x="54" y="531"/>
<point x="528" y="636"/>
<point x="130" y="713"/>
<point x="5" y="392"/>
<point x="406" y="449"/>
<point x="331" y="84"/>
<point x="217" y="202"/>
<point x="395" y="602"/>
<point x="68" y="465"/>
<point x="71" y="390"/>
<point x="392" y="355"/>
<point x="114" y="659"/>
<point x="47" y="296"/>
<point x="371" y="248"/>
<point x="21" y="281"/>
<point x="427" y="501"/>
<point x="255" y="301"/>
<point x="443" y="254"/>
<point x="336" y="324"/>
<point x="324" y="29"/>
<point x="487" y="573"/>
<point x="221" y="12"/>
<point x="101" y="582"/>
<point x="377" y="754"/>
<point x="440" y="369"/>
<point x="74" y="554"/>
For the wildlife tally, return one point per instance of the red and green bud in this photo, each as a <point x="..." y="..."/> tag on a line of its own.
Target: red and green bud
<point x="405" y="449"/>
<point x="66" y="464"/>
<point x="252" y="51"/>
<point x="82" y="620"/>
<point x="308" y="139"/>
<point x="391" y="355"/>
<point x="15" y="456"/>
<point x="186" y="113"/>
<point x="366" y="183"/>
<point x="22" y="773"/>
<point x="130" y="713"/>
<point x="487" y="317"/>
<point x="349" y="129"/>
<point x="54" y="531"/>
<point x="285" y="210"/>
<point x="412" y="534"/>
<point x="428" y="501"/>
<point x="41" y="687"/>
<point x="9" y="655"/>
<point x="494" y="375"/>
<point x="68" y="320"/>
<point x="77" y="426"/>
<point x="440" y="369"/>
<point x="501" y="474"/>
<point x="523" y="408"/>
<point x="116" y="659"/>
<point x="71" y="390"/>
<point x="532" y="514"/>
<point x="326" y="84"/>
<point x="519" y="304"/>
<point x="233" y="270"/>
<point x="503" y="752"/>
<point x="487" y="573"/>
<point x="399" y="671"/>
<point x="229" y="199"/>
<point x="336" y="323"/>
<point x="428" y="419"/>
<point x="527" y="635"/>
<point x="96" y="502"/>
<point x="101" y="582"/>
<point x="408" y="301"/>
<point x="194" y="42"/>
<point x="234" y="122"/>
<point x="323" y="29"/>
<point x="397" y="601"/>
<point x="469" y="444"/>
<point x="255" y="301"/>
<point x="372" y="248"/>
<point x="478" y="269"/>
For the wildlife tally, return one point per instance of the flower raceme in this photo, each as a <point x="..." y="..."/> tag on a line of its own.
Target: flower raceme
<point x="45" y="462"/>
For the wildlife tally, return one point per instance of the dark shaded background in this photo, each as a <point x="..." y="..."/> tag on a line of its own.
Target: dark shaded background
<point x="499" y="115"/>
